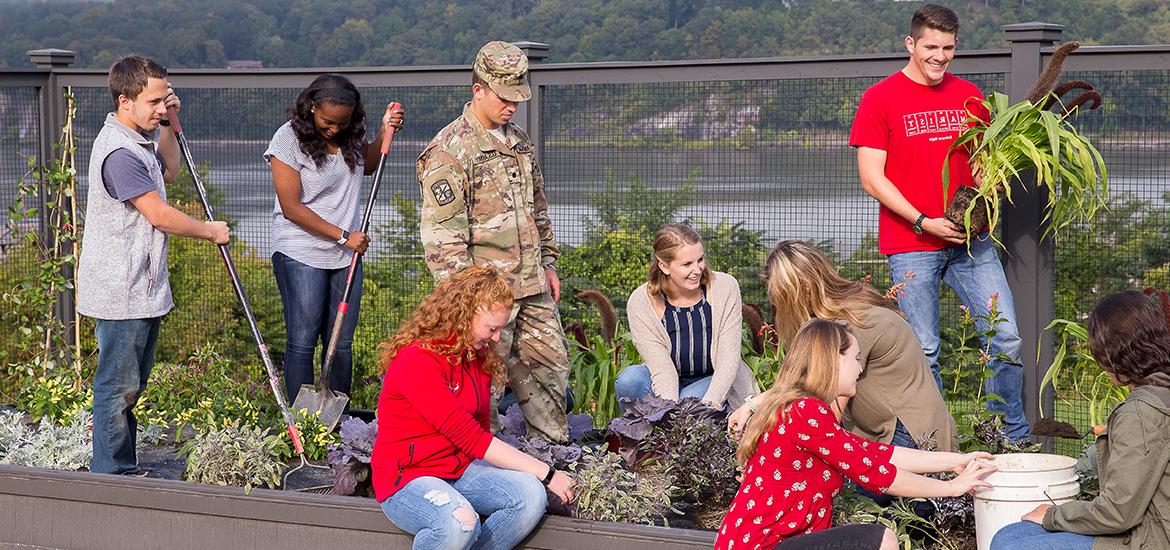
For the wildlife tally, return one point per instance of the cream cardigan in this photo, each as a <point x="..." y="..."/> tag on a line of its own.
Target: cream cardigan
<point x="732" y="381"/>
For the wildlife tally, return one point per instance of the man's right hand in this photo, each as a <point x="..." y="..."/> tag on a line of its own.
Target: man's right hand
<point x="945" y="230"/>
<point x="218" y="232"/>
<point x="358" y="242"/>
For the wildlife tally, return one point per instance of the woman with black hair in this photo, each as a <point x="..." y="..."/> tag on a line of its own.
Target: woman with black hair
<point x="1130" y="340"/>
<point x="318" y="159"/>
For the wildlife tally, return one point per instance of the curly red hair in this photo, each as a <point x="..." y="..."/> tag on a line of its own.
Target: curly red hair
<point x="442" y="322"/>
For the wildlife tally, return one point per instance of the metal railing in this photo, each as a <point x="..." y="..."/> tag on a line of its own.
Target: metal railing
<point x="761" y="142"/>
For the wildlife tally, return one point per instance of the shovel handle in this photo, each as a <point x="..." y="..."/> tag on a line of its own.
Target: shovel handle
<point x="296" y="439"/>
<point x="388" y="135"/>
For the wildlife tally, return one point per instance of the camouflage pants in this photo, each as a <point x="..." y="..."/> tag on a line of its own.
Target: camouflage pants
<point x="533" y="348"/>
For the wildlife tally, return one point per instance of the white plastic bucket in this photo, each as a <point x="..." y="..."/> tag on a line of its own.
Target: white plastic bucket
<point x="1023" y="481"/>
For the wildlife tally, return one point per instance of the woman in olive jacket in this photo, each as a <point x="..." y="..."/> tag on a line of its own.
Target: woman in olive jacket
<point x="1129" y="338"/>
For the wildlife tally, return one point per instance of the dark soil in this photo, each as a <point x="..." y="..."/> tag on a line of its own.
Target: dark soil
<point x="1055" y="428"/>
<point x="963" y="197"/>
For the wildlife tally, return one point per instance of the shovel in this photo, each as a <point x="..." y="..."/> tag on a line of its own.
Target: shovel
<point x="273" y="380"/>
<point x="328" y="404"/>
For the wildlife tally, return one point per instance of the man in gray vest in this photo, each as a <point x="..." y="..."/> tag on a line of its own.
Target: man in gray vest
<point x="122" y="273"/>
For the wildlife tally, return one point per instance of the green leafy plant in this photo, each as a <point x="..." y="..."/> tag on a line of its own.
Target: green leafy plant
<point x="765" y="362"/>
<point x="39" y="340"/>
<point x="206" y="389"/>
<point x="1020" y="137"/>
<point x="232" y="455"/>
<point x="56" y="398"/>
<point x="316" y="437"/>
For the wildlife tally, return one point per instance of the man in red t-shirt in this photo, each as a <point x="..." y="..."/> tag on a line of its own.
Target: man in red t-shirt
<point x="903" y="129"/>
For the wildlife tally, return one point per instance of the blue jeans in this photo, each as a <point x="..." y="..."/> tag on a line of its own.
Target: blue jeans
<point x="975" y="278"/>
<point x="429" y="508"/>
<point x="1026" y="535"/>
<point x="634" y="382"/>
<point x="125" y="358"/>
<point x="310" y="297"/>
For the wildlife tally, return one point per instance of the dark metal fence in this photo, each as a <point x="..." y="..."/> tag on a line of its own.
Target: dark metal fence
<point x="753" y="151"/>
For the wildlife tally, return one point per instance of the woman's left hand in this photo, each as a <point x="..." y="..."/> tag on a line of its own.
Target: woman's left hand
<point x="561" y="485"/>
<point x="738" y="420"/>
<point x="1037" y="514"/>
<point x="967" y="458"/>
<point x="394" y="117"/>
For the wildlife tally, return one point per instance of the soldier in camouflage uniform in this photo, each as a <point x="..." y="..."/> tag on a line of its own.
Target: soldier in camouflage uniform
<point x="483" y="204"/>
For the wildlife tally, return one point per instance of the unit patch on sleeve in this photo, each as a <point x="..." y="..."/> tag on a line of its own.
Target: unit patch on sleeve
<point x="443" y="193"/>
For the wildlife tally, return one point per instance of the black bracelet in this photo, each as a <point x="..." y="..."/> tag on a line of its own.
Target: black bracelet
<point x="548" y="477"/>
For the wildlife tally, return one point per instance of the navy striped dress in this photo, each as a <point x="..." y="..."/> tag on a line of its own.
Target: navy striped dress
<point x="690" y="331"/>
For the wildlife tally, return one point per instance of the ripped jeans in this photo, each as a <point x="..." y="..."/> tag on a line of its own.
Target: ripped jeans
<point x="445" y="514"/>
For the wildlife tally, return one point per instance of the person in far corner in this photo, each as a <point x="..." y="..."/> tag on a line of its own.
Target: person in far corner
<point x="903" y="131"/>
<point x="483" y="204"/>
<point x="318" y="159"/>
<point x="687" y="323"/>
<point x="122" y="278"/>
<point x="1130" y="340"/>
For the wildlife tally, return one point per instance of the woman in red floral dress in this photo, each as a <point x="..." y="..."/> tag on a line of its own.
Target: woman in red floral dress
<point x="796" y="456"/>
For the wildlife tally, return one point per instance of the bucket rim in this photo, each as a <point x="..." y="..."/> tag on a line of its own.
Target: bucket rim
<point x="1068" y="462"/>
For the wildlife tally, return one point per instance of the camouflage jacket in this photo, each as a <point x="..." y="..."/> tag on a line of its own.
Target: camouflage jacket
<point x="483" y="203"/>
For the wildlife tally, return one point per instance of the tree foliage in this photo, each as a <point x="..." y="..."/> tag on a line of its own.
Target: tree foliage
<point x="207" y="33"/>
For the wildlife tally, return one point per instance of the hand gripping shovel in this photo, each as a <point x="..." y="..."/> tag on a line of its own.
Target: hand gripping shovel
<point x="225" y="255"/>
<point x="328" y="403"/>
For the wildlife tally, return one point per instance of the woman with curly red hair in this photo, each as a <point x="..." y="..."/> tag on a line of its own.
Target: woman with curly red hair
<point x="437" y="467"/>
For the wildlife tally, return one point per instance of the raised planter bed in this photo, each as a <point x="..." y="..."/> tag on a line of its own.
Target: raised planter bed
<point x="78" y="510"/>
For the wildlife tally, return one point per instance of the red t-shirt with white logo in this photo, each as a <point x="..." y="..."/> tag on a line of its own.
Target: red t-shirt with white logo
<point x="915" y="124"/>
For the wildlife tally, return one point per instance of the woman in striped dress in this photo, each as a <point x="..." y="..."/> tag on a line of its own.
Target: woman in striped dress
<point x="686" y="322"/>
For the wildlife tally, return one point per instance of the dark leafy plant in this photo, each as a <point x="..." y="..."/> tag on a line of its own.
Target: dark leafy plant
<point x="514" y="431"/>
<point x="350" y="458"/>
<point x="608" y="491"/>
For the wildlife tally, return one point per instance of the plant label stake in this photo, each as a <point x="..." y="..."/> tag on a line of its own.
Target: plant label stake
<point x="326" y="402"/>
<point x="234" y="277"/>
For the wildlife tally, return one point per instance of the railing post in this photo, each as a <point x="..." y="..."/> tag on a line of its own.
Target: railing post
<point x="528" y="113"/>
<point x="1029" y="261"/>
<point x="52" y="106"/>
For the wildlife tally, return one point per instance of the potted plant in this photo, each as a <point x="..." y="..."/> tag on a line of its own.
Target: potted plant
<point x="1012" y="139"/>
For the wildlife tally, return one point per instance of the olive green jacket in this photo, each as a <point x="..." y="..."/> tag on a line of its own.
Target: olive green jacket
<point x="1133" y="509"/>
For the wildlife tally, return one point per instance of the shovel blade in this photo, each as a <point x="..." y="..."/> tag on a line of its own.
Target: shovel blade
<point x="328" y="404"/>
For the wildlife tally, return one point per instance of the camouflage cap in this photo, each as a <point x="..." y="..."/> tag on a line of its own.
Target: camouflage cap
<point x="505" y="68"/>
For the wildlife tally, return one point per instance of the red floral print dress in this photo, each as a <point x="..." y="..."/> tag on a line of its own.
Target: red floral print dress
<point x="789" y="483"/>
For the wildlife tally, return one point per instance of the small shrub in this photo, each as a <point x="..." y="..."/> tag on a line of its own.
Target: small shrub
<point x="68" y="447"/>
<point x="606" y="491"/>
<point x="350" y="459"/>
<point x="56" y="398"/>
<point x="232" y="455"/>
<point x="315" y="436"/>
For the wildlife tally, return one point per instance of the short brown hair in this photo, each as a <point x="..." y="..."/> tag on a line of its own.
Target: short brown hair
<point x="933" y="16"/>
<point x="128" y="76"/>
<point x="1129" y="337"/>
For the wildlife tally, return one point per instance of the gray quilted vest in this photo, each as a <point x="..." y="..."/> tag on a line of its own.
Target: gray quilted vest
<point x="122" y="272"/>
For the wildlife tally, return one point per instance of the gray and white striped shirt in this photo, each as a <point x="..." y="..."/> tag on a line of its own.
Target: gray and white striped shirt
<point x="331" y="191"/>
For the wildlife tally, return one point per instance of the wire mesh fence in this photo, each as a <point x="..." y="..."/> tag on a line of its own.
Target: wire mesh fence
<point x="749" y="162"/>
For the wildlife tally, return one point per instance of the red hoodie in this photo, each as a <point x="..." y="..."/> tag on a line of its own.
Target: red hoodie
<point x="432" y="418"/>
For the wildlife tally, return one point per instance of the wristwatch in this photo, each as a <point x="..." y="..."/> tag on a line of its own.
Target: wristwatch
<point x="918" y="223"/>
<point x="345" y="237"/>
<point x="550" y="265"/>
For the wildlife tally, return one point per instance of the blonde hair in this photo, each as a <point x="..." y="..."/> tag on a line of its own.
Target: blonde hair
<point x="447" y="312"/>
<point x="809" y="370"/>
<point x="802" y="285"/>
<point x="667" y="241"/>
